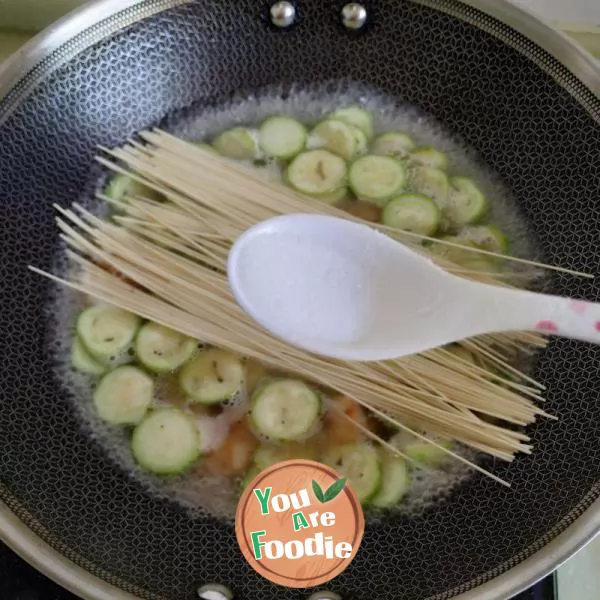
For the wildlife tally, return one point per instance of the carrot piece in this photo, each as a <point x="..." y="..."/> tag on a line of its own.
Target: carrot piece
<point x="339" y="430"/>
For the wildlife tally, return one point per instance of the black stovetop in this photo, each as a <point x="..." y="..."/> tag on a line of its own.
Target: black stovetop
<point x="19" y="581"/>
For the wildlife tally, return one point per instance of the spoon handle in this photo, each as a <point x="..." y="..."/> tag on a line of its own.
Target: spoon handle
<point x="570" y="318"/>
<point x="511" y="310"/>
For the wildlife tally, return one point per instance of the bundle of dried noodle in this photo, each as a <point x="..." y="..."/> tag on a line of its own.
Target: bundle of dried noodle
<point x="166" y="262"/>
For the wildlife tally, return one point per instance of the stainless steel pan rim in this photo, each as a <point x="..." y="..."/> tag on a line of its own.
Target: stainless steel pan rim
<point x="29" y="545"/>
<point x="15" y="534"/>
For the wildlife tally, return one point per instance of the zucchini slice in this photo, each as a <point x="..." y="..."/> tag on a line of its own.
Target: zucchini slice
<point x="107" y="331"/>
<point x="412" y="212"/>
<point x="124" y="395"/>
<point x="337" y="137"/>
<point x="83" y="361"/>
<point x="166" y="442"/>
<point x="361" y="464"/>
<point x="357" y="116"/>
<point x="466" y="203"/>
<point x="451" y="253"/>
<point x="487" y="237"/>
<point x="396" y="144"/>
<point x="121" y="185"/>
<point x="285" y="409"/>
<point x="425" y="455"/>
<point x="431" y="182"/>
<point x="429" y="157"/>
<point x="282" y="137"/>
<point x="212" y="376"/>
<point x="317" y="173"/>
<point x="362" y="142"/>
<point x="395" y="480"/>
<point x="333" y="198"/>
<point x="161" y="349"/>
<point x="238" y="143"/>
<point x="483" y="264"/>
<point x="377" y="178"/>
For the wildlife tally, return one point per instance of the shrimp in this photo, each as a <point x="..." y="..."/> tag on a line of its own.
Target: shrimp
<point x="235" y="455"/>
<point x="337" y="429"/>
<point x="361" y="209"/>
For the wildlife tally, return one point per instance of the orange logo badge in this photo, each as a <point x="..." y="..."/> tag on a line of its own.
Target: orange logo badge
<point x="299" y="524"/>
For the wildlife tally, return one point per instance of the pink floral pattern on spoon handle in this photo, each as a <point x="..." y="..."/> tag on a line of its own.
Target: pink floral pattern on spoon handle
<point x="549" y="326"/>
<point x="576" y="319"/>
<point x="579" y="307"/>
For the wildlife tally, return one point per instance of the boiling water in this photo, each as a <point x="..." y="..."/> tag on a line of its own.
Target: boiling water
<point x="217" y="495"/>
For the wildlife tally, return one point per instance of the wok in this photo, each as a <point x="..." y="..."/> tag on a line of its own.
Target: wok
<point x="519" y="93"/>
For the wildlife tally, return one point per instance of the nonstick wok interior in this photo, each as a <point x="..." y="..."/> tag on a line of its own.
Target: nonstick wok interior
<point x="535" y="127"/>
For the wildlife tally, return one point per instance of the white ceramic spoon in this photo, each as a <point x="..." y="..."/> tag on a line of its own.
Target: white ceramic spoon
<point x="342" y="289"/>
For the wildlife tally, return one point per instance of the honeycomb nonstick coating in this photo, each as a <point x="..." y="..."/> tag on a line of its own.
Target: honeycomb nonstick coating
<point x="520" y="119"/>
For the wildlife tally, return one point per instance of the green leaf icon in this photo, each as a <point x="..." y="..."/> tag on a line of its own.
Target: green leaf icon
<point x="335" y="489"/>
<point x="318" y="491"/>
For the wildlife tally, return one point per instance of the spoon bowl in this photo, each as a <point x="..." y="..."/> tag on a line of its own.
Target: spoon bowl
<point x="343" y="289"/>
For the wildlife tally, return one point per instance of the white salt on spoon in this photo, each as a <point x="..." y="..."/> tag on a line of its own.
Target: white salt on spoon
<point x="343" y="289"/>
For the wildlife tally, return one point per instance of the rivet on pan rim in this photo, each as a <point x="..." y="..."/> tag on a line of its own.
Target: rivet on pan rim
<point x="325" y="596"/>
<point x="354" y="15"/>
<point x="283" y="14"/>
<point x="214" y="591"/>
